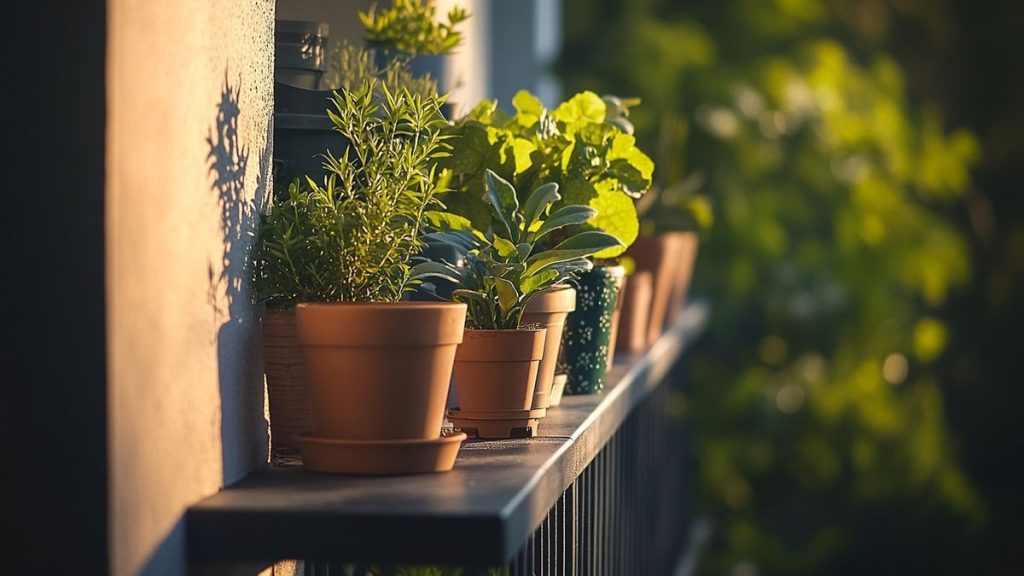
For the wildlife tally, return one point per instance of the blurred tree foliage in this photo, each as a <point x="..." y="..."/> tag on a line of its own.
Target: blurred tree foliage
<point x="819" y="399"/>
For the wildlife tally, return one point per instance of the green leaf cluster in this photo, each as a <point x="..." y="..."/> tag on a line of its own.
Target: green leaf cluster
<point x="503" y="269"/>
<point x="409" y="26"/>
<point x="585" y="145"/>
<point x="352" y="237"/>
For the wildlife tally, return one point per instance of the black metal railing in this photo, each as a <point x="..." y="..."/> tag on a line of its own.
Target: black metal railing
<point x="627" y="513"/>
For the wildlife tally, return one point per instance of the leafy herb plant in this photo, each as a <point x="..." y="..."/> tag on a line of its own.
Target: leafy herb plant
<point x="584" y="145"/>
<point x="352" y="237"/>
<point x="409" y="26"/>
<point x="504" y="269"/>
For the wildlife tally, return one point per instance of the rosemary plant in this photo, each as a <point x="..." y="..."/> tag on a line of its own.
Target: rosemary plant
<point x="351" y="238"/>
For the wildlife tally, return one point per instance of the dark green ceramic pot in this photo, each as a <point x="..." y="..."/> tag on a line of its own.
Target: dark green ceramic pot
<point x="588" y="330"/>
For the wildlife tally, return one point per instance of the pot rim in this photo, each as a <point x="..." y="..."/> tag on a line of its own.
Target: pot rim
<point x="503" y="330"/>
<point x="380" y="305"/>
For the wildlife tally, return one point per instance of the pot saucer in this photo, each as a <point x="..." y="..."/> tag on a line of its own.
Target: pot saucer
<point x="378" y="457"/>
<point x="498" y="424"/>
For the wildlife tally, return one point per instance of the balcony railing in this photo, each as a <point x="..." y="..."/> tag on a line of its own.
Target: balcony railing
<point x="602" y="490"/>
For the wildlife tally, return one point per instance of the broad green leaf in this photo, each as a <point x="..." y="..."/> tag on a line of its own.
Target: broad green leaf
<point x="467" y="296"/>
<point x="539" y="280"/>
<point x="538" y="201"/>
<point x="508" y="296"/>
<point x="524" y="250"/>
<point x="616" y="215"/>
<point x="504" y="204"/>
<point x="525" y="102"/>
<point x="565" y="216"/>
<point x="583" y="108"/>
<point x="447" y="221"/>
<point x="430" y="269"/>
<point x="528" y="107"/>
<point x="521" y="150"/>
<point x="461" y="239"/>
<point x="578" y="191"/>
<point x="504" y="247"/>
<point x="633" y="182"/>
<point x="576" y="246"/>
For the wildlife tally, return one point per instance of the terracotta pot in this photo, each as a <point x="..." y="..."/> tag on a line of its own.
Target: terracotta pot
<point x="496" y="370"/>
<point x="379" y="370"/>
<point x="684" y="273"/>
<point x="549" y="310"/>
<point x="287" y="386"/>
<point x="558" y="388"/>
<point x="587" y="335"/>
<point x="658" y="255"/>
<point x="636" y="313"/>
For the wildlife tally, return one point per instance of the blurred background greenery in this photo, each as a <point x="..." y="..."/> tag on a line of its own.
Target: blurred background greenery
<point x="855" y="403"/>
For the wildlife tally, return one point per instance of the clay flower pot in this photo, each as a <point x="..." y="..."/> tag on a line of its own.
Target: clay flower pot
<point x="658" y="255"/>
<point x="496" y="370"/>
<point x="287" y="386"/>
<point x="379" y="371"/>
<point x="558" y="388"/>
<point x="496" y="374"/>
<point x="636" y="312"/>
<point x="588" y="330"/>
<point x="549" y="310"/>
<point x="684" y="272"/>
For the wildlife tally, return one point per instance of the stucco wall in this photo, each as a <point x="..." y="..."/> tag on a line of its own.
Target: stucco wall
<point x="190" y="100"/>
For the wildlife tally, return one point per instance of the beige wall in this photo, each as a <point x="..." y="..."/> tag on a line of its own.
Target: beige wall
<point x="190" y="100"/>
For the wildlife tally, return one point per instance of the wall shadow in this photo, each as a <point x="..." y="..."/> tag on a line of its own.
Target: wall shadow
<point x="243" y="426"/>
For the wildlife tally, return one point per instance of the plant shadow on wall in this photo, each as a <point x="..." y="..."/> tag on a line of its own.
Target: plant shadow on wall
<point x="243" y="427"/>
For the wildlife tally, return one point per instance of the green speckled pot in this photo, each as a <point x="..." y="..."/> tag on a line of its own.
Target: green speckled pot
<point x="588" y="330"/>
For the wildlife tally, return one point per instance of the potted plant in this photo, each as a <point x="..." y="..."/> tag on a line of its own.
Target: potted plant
<point x="584" y="145"/>
<point x="409" y="31"/>
<point x="503" y="269"/>
<point x="349" y="243"/>
<point x="673" y="217"/>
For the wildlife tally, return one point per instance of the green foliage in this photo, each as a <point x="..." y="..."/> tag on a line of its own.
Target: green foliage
<point x="504" y="269"/>
<point x="818" y="416"/>
<point x="409" y="26"/>
<point x="584" y="145"/>
<point x="352" y="237"/>
<point x="352" y="66"/>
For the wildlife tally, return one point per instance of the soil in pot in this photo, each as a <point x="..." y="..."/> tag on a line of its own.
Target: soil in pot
<point x="636" y="313"/>
<point x="379" y="371"/>
<point x="496" y="370"/>
<point x="549" y="310"/>
<point x="587" y="335"/>
<point x="287" y="386"/>
<point x="658" y="255"/>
